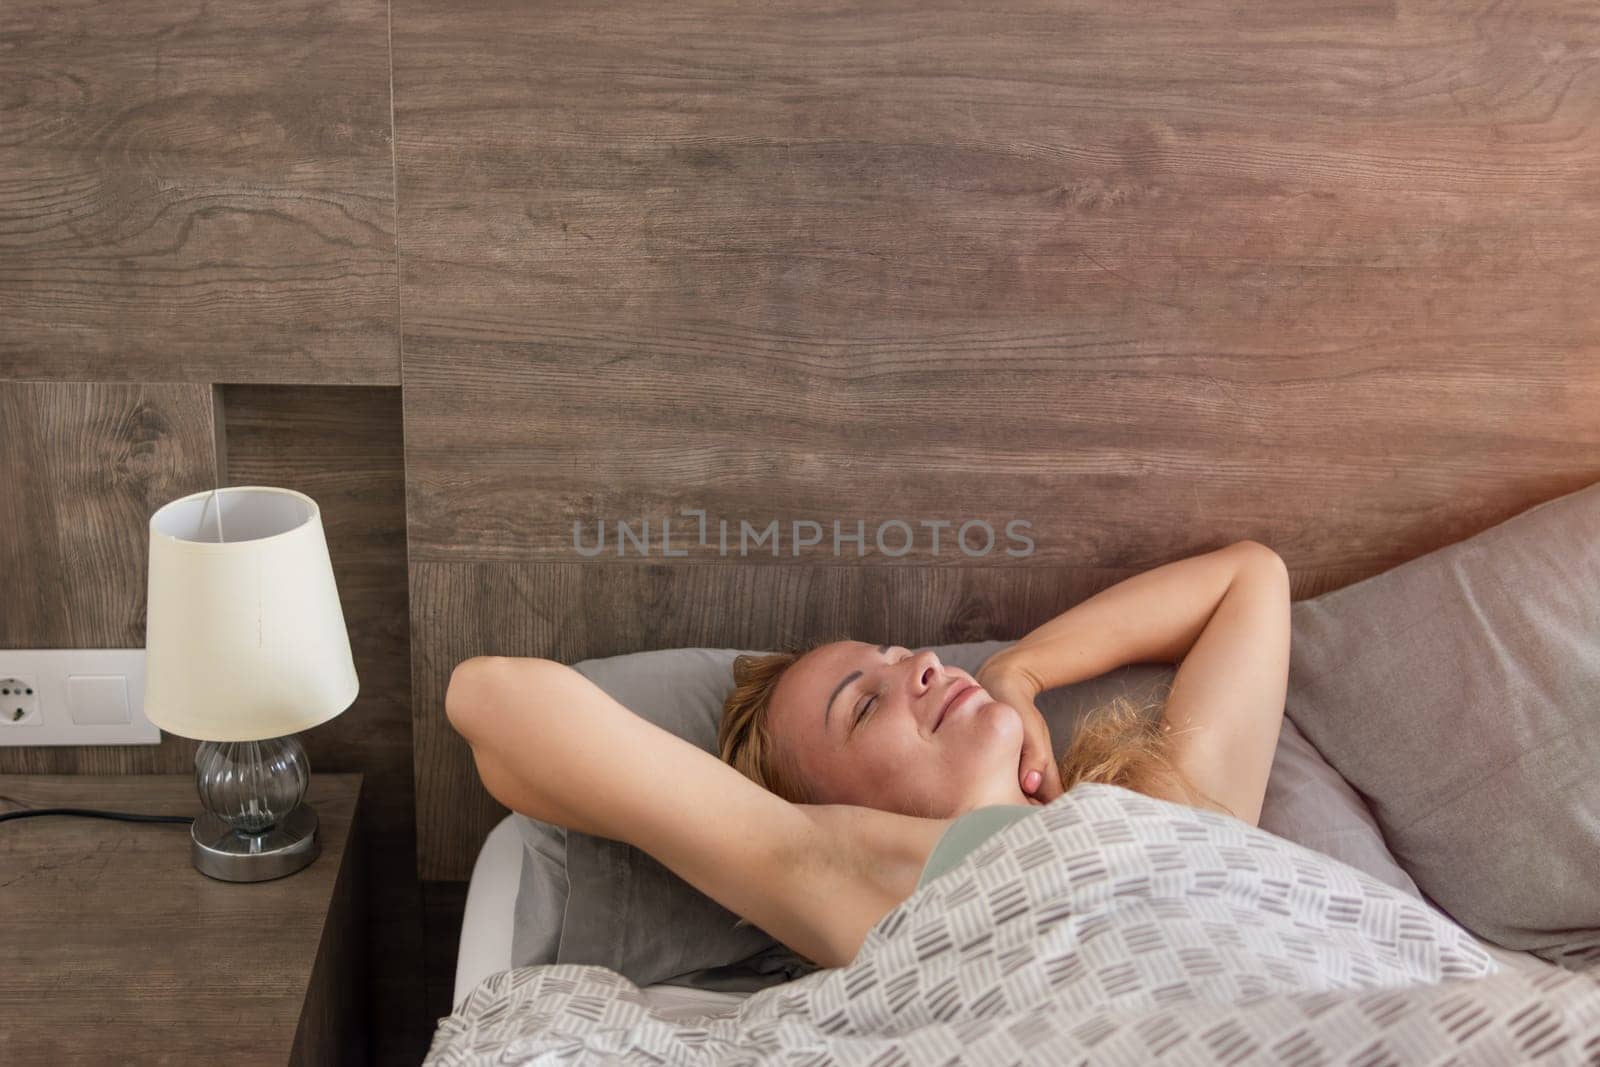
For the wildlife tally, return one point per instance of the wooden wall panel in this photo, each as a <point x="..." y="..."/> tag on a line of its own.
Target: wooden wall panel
<point x="1318" y="275"/>
<point x="82" y="468"/>
<point x="197" y="192"/>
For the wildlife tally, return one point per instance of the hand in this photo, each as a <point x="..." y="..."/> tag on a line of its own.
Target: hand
<point x="1037" y="774"/>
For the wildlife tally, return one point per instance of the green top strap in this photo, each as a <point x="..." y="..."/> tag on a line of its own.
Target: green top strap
<point x="970" y="830"/>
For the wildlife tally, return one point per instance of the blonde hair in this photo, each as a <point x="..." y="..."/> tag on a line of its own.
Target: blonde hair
<point x="1118" y="743"/>
<point x="744" y="739"/>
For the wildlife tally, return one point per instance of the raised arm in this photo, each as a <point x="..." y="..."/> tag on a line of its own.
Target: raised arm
<point x="1223" y="617"/>
<point x="1226" y="704"/>
<point x="551" y="744"/>
<point x="1155" y="616"/>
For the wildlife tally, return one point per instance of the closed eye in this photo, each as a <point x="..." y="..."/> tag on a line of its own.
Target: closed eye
<point x="871" y="701"/>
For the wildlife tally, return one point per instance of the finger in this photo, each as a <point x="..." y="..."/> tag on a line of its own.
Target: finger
<point x="1031" y="763"/>
<point x="1029" y="776"/>
<point x="1049" y="786"/>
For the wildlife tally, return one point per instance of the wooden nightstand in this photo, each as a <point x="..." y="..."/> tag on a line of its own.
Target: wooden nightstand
<point x="114" y="949"/>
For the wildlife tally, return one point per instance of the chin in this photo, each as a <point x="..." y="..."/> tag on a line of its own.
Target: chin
<point x="997" y="723"/>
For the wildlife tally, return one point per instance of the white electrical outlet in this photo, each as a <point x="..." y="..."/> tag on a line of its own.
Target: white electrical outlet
<point x="74" y="696"/>
<point x="19" y="704"/>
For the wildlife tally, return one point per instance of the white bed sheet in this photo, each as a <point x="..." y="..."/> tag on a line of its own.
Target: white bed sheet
<point x="486" y="927"/>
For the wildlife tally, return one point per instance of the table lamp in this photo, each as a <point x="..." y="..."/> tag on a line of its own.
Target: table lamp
<point x="245" y="645"/>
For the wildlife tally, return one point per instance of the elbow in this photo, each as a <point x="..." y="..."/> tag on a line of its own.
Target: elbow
<point x="477" y="684"/>
<point x="1264" y="556"/>
<point x="469" y="691"/>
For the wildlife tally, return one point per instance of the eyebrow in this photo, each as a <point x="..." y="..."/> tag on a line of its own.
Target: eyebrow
<point x="852" y="676"/>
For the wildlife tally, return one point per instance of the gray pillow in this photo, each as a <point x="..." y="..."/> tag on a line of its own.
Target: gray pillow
<point x="1309" y="803"/>
<point x="1460" y="694"/>
<point x="541" y="893"/>
<point x="628" y="912"/>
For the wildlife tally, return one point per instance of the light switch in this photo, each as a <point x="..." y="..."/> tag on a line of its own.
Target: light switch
<point x="97" y="699"/>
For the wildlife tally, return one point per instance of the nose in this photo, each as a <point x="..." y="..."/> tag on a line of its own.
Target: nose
<point x="925" y="669"/>
<point x="926" y="686"/>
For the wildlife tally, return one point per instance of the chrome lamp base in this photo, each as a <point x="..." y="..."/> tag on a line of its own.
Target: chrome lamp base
<point x="230" y="855"/>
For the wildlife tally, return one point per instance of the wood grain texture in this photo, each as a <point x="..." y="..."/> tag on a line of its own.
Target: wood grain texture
<point x="1318" y="275"/>
<point x="197" y="192"/>
<point x="179" y="967"/>
<point x="85" y="465"/>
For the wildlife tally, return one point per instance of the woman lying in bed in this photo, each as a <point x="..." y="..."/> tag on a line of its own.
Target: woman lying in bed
<point x="869" y="753"/>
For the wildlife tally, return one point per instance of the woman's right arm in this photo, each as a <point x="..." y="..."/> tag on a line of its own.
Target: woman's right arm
<point x="551" y="744"/>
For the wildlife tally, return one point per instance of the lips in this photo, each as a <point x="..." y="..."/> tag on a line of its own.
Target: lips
<point x="957" y="692"/>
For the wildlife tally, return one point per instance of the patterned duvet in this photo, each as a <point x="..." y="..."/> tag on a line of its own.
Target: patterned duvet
<point x="1109" y="928"/>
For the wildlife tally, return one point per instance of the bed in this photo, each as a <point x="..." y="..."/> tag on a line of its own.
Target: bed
<point x="1126" y="928"/>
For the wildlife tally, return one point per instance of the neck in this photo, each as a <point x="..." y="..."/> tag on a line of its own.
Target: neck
<point x="998" y="795"/>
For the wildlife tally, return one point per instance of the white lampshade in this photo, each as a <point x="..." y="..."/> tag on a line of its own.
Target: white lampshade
<point x="244" y="638"/>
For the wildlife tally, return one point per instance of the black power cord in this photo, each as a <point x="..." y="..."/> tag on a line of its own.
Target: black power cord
<point x="123" y="815"/>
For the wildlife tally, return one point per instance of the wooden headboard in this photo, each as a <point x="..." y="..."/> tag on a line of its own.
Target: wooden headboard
<point x="1319" y="276"/>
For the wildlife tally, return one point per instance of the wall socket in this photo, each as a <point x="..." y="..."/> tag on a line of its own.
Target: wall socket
<point x="74" y="696"/>
<point x="19" y="704"/>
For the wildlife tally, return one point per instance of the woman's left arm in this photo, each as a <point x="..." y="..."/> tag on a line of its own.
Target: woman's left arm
<point x="1225" y="709"/>
<point x="1224" y="618"/>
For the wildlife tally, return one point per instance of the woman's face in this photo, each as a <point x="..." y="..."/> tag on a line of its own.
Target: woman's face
<point x="874" y="725"/>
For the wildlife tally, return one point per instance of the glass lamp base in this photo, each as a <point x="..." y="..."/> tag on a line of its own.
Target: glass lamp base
<point x="223" y="853"/>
